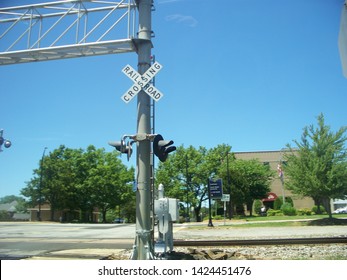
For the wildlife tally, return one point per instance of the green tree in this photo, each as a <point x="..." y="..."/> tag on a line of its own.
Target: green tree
<point x="184" y="175"/>
<point x="20" y="207"/>
<point x="250" y="180"/>
<point x="77" y="179"/>
<point x="257" y="205"/>
<point x="10" y="198"/>
<point x="317" y="166"/>
<point x="108" y="180"/>
<point x="54" y="180"/>
<point x="278" y="203"/>
<point x="220" y="159"/>
<point x="59" y="178"/>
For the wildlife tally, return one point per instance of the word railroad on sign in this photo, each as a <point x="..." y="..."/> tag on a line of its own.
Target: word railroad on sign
<point x="142" y="82"/>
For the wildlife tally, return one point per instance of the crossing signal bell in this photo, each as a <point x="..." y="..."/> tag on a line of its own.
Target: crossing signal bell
<point x="122" y="147"/>
<point x="162" y="148"/>
<point x="3" y="141"/>
<point x="6" y="143"/>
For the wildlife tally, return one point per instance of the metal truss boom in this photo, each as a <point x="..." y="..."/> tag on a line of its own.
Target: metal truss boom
<point x="66" y="29"/>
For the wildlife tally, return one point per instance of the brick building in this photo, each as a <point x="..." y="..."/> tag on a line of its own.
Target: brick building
<point x="274" y="159"/>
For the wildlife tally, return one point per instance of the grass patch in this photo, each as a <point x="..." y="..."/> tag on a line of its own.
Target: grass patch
<point x="279" y="221"/>
<point x="290" y="218"/>
<point x="250" y="225"/>
<point x="271" y="224"/>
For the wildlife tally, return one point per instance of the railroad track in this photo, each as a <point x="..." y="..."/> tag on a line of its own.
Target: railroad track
<point x="260" y="242"/>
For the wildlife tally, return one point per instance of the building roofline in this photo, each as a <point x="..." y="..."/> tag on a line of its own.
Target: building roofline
<point x="262" y="152"/>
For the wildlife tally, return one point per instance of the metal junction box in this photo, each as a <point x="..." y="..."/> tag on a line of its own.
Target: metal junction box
<point x="167" y="206"/>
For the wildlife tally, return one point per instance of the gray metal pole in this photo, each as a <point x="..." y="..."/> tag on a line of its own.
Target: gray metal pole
<point x="229" y="189"/>
<point x="39" y="217"/>
<point x="144" y="243"/>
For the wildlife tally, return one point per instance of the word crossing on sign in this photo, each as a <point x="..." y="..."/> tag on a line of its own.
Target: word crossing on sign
<point x="142" y="82"/>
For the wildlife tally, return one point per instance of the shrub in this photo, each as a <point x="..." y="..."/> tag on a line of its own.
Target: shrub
<point x="289" y="200"/>
<point x="181" y="220"/>
<point x="218" y="217"/>
<point x="257" y="204"/>
<point x="272" y="212"/>
<point x="304" y="212"/>
<point x="278" y="203"/>
<point x="321" y="209"/>
<point x="288" y="209"/>
<point x="4" y="216"/>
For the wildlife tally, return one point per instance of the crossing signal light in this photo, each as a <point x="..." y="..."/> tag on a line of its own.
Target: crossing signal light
<point x="122" y="147"/>
<point x="162" y="148"/>
<point x="7" y="144"/>
<point x="3" y="141"/>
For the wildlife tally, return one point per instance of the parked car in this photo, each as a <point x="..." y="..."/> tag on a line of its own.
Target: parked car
<point x="118" y="220"/>
<point x="341" y="210"/>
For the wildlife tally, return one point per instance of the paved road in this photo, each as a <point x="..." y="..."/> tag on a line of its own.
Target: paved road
<point x="19" y="240"/>
<point x="94" y="241"/>
<point x="58" y="230"/>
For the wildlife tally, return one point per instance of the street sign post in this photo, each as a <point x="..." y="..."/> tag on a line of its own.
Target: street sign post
<point x="215" y="191"/>
<point x="216" y="188"/>
<point x="142" y="82"/>
<point x="225" y="199"/>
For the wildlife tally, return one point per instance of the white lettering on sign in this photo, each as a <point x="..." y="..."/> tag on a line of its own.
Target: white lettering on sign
<point x="131" y="93"/>
<point x="142" y="82"/>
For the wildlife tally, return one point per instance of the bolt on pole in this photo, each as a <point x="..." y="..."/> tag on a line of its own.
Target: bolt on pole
<point x="144" y="244"/>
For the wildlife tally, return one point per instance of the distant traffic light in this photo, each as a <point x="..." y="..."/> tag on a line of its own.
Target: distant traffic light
<point x="7" y="144"/>
<point x="162" y="148"/>
<point x="122" y="147"/>
<point x="3" y="141"/>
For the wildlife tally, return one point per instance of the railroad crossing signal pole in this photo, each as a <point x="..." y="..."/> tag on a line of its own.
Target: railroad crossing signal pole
<point x="20" y="49"/>
<point x="143" y="248"/>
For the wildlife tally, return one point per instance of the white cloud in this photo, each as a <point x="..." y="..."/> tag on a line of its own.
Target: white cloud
<point x="179" y="18"/>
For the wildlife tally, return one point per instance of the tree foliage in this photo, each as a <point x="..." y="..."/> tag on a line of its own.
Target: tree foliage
<point x="317" y="166"/>
<point x="21" y="203"/>
<point x="185" y="176"/>
<point x="77" y="179"/>
<point x="249" y="179"/>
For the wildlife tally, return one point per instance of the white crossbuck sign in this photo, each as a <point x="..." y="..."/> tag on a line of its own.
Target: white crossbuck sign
<point x="142" y="82"/>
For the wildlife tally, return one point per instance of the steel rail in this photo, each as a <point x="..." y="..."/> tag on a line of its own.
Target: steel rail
<point x="260" y="242"/>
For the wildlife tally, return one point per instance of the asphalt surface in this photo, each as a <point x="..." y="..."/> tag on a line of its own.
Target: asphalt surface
<point x="98" y="248"/>
<point x="29" y="240"/>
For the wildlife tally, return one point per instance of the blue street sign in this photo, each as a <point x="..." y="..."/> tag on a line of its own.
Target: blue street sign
<point x="216" y="188"/>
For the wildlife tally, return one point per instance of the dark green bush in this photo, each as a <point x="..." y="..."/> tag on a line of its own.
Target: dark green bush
<point x="257" y="204"/>
<point x="278" y="203"/>
<point x="4" y="216"/>
<point x="288" y="209"/>
<point x="289" y="200"/>
<point x="321" y="209"/>
<point x="304" y="212"/>
<point x="272" y="212"/>
<point x="218" y="217"/>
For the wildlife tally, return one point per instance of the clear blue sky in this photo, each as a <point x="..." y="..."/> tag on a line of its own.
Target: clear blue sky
<point x="248" y="73"/>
